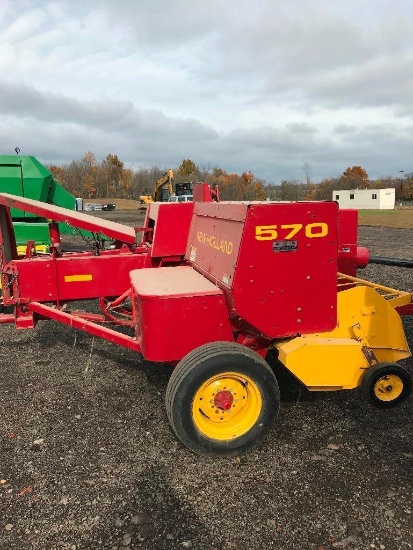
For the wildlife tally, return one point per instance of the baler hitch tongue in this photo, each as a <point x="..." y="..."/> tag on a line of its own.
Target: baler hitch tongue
<point x="397" y="262"/>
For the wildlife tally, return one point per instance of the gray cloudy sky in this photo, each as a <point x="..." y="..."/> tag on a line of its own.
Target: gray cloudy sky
<point x="254" y="85"/>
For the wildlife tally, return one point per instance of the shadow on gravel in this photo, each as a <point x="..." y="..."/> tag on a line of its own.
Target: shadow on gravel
<point x="379" y="438"/>
<point x="158" y="519"/>
<point x="291" y="390"/>
<point x="51" y="335"/>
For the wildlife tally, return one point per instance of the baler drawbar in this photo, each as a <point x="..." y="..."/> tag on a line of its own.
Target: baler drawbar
<point x="211" y="288"/>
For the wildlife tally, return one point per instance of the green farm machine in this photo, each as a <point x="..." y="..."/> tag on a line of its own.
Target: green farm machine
<point x="26" y="177"/>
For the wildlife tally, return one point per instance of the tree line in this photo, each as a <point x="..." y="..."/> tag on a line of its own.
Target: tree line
<point x="110" y="178"/>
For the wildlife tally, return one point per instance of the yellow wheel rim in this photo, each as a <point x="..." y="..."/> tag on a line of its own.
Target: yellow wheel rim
<point x="388" y="387"/>
<point x="226" y="406"/>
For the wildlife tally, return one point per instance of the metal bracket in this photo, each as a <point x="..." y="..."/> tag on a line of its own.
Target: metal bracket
<point x="365" y="348"/>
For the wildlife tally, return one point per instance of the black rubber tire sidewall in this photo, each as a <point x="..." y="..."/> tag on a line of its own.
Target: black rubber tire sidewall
<point x="180" y="413"/>
<point x="376" y="372"/>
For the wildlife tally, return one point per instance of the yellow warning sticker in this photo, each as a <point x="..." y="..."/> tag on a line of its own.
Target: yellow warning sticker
<point x="78" y="278"/>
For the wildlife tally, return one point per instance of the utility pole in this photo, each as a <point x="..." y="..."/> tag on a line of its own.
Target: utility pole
<point x="401" y="184"/>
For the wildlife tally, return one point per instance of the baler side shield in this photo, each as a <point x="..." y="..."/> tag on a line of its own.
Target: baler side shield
<point x="338" y="359"/>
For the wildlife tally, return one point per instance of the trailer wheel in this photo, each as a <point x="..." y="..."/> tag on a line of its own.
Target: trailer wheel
<point x="386" y="385"/>
<point x="222" y="399"/>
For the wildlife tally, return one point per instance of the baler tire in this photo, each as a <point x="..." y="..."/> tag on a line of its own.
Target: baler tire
<point x="235" y="386"/>
<point x="386" y="385"/>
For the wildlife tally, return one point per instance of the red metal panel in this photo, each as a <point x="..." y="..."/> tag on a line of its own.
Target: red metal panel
<point x="285" y="280"/>
<point x="202" y="192"/>
<point x="214" y="241"/>
<point x="113" y="230"/>
<point x="171" y="223"/>
<point x="348" y="226"/>
<point x="347" y="242"/>
<point x="75" y="276"/>
<point x="227" y="210"/>
<point x="7" y="318"/>
<point x="177" y="310"/>
<point x="350" y="256"/>
<point x="279" y="259"/>
<point x="8" y="250"/>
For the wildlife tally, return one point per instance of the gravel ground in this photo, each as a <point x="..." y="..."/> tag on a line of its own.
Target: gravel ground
<point x="88" y="459"/>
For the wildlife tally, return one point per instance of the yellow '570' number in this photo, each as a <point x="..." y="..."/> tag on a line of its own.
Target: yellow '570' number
<point x="289" y="231"/>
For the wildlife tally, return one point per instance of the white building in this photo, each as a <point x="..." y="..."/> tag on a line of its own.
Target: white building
<point x="366" y="199"/>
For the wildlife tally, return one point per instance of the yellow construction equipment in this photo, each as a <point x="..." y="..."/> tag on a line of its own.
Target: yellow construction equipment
<point x="164" y="187"/>
<point x="144" y="201"/>
<point x="163" y="190"/>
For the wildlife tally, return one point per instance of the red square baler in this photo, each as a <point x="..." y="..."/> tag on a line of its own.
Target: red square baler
<point x="211" y="288"/>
